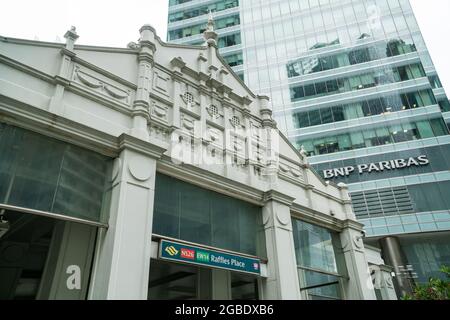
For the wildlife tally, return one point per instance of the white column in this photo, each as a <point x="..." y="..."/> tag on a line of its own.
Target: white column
<point x="359" y="284"/>
<point x="282" y="281"/>
<point x="122" y="263"/>
<point x="387" y="286"/>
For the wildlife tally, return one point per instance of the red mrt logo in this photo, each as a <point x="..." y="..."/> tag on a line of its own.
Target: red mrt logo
<point x="187" y="254"/>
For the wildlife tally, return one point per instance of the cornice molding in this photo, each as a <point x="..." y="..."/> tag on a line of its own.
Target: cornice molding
<point x="310" y="215"/>
<point x="352" y="224"/>
<point x="211" y="181"/>
<point x="146" y="57"/>
<point x="67" y="52"/>
<point x="51" y="125"/>
<point x="27" y="69"/>
<point x="147" y="44"/>
<point x="128" y="142"/>
<point x="156" y="96"/>
<point x="277" y="196"/>
<point x="294" y="181"/>
<point x="326" y="195"/>
<point x="62" y="81"/>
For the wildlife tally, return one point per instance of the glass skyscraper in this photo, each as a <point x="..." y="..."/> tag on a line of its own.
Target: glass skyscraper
<point x="353" y="84"/>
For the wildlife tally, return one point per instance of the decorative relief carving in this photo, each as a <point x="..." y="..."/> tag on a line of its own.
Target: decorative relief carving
<point x="139" y="168"/>
<point x="238" y="145"/>
<point x="296" y="173"/>
<point x="116" y="93"/>
<point x="215" y="135"/>
<point x="355" y="243"/>
<point x="188" y="98"/>
<point x="117" y="166"/>
<point x="256" y="131"/>
<point x="283" y="217"/>
<point x="161" y="83"/>
<point x="88" y="80"/>
<point x="289" y="170"/>
<point x="213" y="112"/>
<point x="267" y="214"/>
<point x="258" y="154"/>
<point x="235" y="122"/>
<point x="388" y="281"/>
<point x="158" y="132"/>
<point x="190" y="103"/>
<point x="100" y="86"/>
<point x="284" y="167"/>
<point x="379" y="278"/>
<point x="160" y="112"/>
<point x="358" y="242"/>
<point x="188" y="122"/>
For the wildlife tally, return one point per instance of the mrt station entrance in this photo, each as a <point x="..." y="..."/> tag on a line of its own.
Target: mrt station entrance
<point x="173" y="281"/>
<point x="186" y="271"/>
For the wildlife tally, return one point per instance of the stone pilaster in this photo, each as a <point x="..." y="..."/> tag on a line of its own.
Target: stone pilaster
<point x="346" y="201"/>
<point x="229" y="148"/>
<point x="282" y="282"/>
<point x="63" y="76"/>
<point x="358" y="285"/>
<point x="177" y="74"/>
<point x="141" y="105"/>
<point x="122" y="264"/>
<point x="383" y="281"/>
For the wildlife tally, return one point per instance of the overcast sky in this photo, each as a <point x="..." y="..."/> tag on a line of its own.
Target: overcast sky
<point x="116" y="22"/>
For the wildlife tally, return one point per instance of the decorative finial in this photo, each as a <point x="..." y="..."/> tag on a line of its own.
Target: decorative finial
<point x="210" y="35"/>
<point x="211" y="19"/>
<point x="304" y="154"/>
<point x="71" y="36"/>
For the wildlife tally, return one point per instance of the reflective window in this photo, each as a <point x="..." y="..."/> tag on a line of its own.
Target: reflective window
<point x="202" y="10"/>
<point x="314" y="247"/>
<point x="234" y="59"/>
<point x="427" y="254"/>
<point x="187" y="212"/>
<point x="435" y="81"/>
<point x="358" y="82"/>
<point x="366" y="108"/>
<point x="200" y="28"/>
<point x="229" y="40"/>
<point x="317" y="261"/>
<point x="397" y="133"/>
<point x="177" y="2"/>
<point x="41" y="173"/>
<point x="354" y="56"/>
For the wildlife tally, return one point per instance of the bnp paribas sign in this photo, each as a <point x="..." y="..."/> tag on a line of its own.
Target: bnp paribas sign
<point x="377" y="167"/>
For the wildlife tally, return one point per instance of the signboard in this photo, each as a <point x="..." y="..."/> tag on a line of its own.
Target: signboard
<point x="174" y="251"/>
<point x="377" y="167"/>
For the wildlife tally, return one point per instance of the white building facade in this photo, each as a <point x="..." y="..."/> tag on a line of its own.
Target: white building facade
<point x="153" y="172"/>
